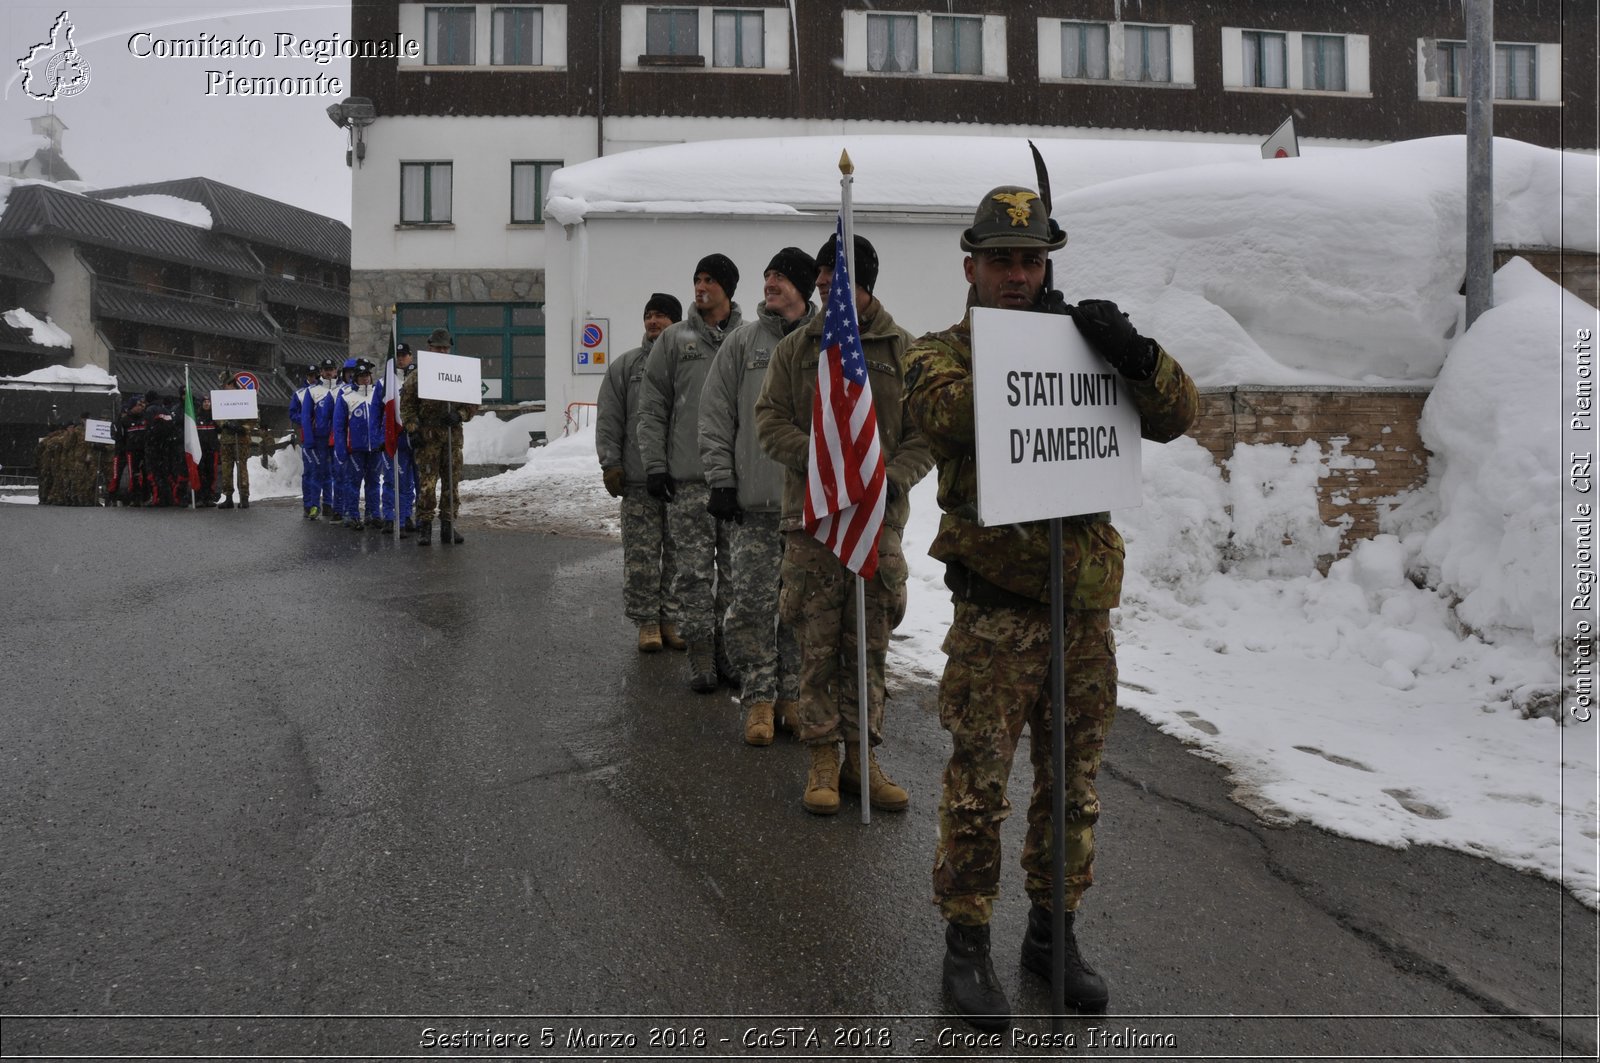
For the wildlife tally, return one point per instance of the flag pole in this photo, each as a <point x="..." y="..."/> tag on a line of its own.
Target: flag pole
<point x="189" y="396"/>
<point x="391" y="377"/>
<point x="847" y="171"/>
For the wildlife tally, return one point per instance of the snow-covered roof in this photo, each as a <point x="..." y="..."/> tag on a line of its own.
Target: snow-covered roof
<point x="62" y="378"/>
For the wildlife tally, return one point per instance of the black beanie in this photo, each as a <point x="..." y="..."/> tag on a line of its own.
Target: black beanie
<point x="866" y="261"/>
<point x="722" y="270"/>
<point x="799" y="267"/>
<point x="662" y="303"/>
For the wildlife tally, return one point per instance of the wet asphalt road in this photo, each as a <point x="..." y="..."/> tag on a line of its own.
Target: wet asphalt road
<point x="304" y="791"/>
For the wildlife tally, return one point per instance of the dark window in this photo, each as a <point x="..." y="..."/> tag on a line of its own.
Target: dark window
<point x="672" y="31"/>
<point x="957" y="45"/>
<point x="1516" y="72"/>
<point x="449" y="33"/>
<point x="1323" y="62"/>
<point x="518" y="36"/>
<point x="1266" y="60"/>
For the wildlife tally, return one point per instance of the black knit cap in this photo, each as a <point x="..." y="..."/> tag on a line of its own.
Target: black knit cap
<point x="799" y="267"/>
<point x="663" y="303"/>
<point x="722" y="270"/>
<point x="866" y="261"/>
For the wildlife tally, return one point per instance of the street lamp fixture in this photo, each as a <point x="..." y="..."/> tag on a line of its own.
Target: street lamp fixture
<point x="354" y="113"/>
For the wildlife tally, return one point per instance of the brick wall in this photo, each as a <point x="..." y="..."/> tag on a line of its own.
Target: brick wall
<point x="1576" y="271"/>
<point x="1370" y="443"/>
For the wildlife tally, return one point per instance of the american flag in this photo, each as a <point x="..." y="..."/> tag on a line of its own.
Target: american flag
<point x="845" y="485"/>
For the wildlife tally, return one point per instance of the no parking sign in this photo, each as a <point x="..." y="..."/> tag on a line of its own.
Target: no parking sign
<point x="591" y="353"/>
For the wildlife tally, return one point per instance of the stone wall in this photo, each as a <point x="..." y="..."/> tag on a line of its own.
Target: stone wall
<point x="1371" y="445"/>
<point x="374" y="292"/>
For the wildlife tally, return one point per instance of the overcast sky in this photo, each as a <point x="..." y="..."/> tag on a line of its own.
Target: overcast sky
<point x="149" y="119"/>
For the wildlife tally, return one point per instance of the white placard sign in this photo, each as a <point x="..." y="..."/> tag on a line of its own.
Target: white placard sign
<point x="1057" y="433"/>
<point x="449" y="377"/>
<point x="98" y="432"/>
<point x="233" y="404"/>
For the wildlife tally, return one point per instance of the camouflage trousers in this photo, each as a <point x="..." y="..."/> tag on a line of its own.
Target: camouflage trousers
<point x="233" y="456"/>
<point x="437" y="493"/>
<point x="646" y="558"/>
<point x="760" y="647"/>
<point x="700" y="576"/>
<point x="997" y="680"/>
<point x="818" y="601"/>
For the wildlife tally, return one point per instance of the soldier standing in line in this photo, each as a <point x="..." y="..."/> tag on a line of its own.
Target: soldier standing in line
<point x="669" y="441"/>
<point x="437" y="441"/>
<point x="818" y="597"/>
<point x="129" y="474"/>
<point x="997" y="678"/>
<point x="647" y="596"/>
<point x="747" y="494"/>
<point x="358" y="444"/>
<point x="163" y="451"/>
<point x="234" y="454"/>
<point x="316" y="432"/>
<point x="297" y="438"/>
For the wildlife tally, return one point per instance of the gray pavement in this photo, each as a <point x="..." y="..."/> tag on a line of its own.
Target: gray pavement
<point x="276" y="788"/>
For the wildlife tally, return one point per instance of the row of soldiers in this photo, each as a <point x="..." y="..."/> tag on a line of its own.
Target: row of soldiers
<point x="145" y="464"/>
<point x="706" y="431"/>
<point x="350" y="475"/>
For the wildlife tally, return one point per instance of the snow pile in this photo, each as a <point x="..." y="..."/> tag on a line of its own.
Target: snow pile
<point x="559" y="490"/>
<point x="173" y="208"/>
<point x="45" y="333"/>
<point x="23" y="147"/>
<point x="1336" y="268"/>
<point x="54" y="375"/>
<point x="487" y="440"/>
<point x="1489" y="525"/>
<point x="784" y="175"/>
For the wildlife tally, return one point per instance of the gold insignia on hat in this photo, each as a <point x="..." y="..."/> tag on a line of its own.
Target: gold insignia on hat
<point x="1017" y="206"/>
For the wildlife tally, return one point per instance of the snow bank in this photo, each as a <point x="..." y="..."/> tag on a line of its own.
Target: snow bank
<point x="45" y="333"/>
<point x="1488" y="525"/>
<point x="487" y="440"/>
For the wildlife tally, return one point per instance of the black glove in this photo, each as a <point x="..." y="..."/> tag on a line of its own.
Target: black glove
<point x="1052" y="302"/>
<point x="660" y="485"/>
<point x="724" y="504"/>
<point x="1109" y="332"/>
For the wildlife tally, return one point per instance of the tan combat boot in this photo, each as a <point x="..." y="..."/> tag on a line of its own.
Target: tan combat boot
<point x="822" y="784"/>
<point x="650" y="637"/>
<point x="670" y="636"/>
<point x="882" y="791"/>
<point x="758" y="725"/>
<point x="786" y="714"/>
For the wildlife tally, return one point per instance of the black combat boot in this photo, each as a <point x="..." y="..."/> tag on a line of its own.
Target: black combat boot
<point x="424" y="532"/>
<point x="448" y="534"/>
<point x="388" y="527"/>
<point x="244" y="500"/>
<point x="969" y="978"/>
<point x="1083" y="988"/>
<point x="227" y="501"/>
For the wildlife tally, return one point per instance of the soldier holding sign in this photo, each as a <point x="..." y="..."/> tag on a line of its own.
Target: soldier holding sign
<point x="436" y="446"/>
<point x="996" y="680"/>
<point x="234" y="454"/>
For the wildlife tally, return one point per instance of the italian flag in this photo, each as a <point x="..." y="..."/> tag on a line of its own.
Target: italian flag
<point x="191" y="438"/>
<point x="391" y="409"/>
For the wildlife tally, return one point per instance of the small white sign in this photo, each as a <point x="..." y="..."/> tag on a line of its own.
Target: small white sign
<point x="449" y="377"/>
<point x="491" y="391"/>
<point x="98" y="432"/>
<point x="592" y="352"/>
<point x="1057" y="433"/>
<point x="233" y="404"/>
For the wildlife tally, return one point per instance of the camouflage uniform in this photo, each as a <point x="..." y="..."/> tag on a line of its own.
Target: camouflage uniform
<point x="233" y="453"/>
<point x="48" y="462"/>
<point x="429" y="422"/>
<point x="763" y="651"/>
<point x="818" y="595"/>
<point x="997" y="676"/>
<point x="646" y="548"/>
